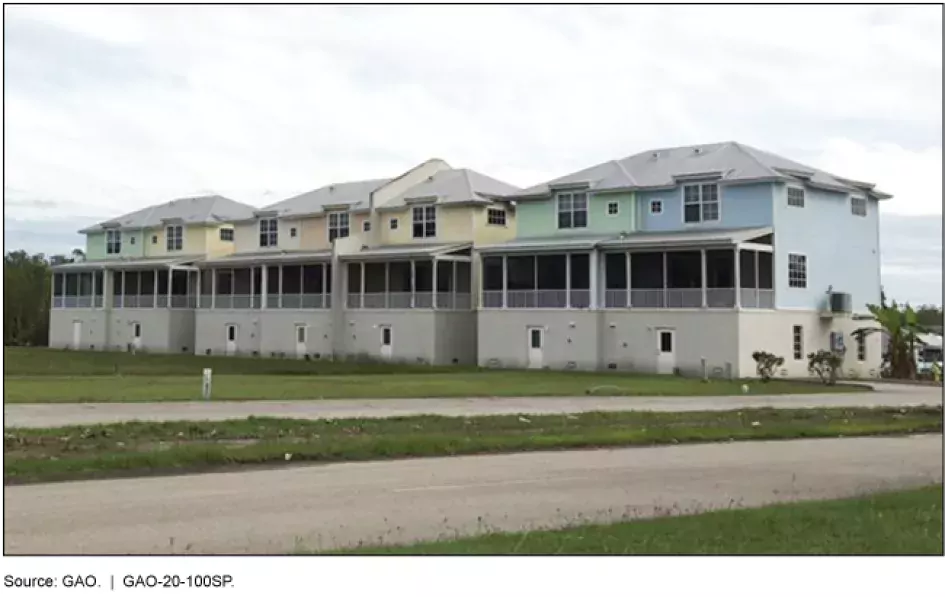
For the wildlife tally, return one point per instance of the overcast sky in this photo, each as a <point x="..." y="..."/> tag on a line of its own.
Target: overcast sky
<point x="112" y="108"/>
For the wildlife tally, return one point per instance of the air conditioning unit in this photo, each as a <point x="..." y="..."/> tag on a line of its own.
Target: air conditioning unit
<point x="841" y="303"/>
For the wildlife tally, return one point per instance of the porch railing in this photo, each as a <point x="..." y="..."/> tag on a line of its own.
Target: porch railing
<point x="77" y="301"/>
<point x="718" y="298"/>
<point x="758" y="298"/>
<point x="286" y="301"/>
<point x="402" y="300"/>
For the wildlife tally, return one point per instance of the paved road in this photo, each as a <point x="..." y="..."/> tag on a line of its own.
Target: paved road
<point x="50" y="414"/>
<point x="318" y="507"/>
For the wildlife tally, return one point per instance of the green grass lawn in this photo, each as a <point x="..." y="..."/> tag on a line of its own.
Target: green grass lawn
<point x="905" y="522"/>
<point x="143" y="448"/>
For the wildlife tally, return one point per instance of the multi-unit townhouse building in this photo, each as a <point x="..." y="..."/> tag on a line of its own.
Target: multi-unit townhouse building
<point x="683" y="259"/>
<point x="136" y="288"/>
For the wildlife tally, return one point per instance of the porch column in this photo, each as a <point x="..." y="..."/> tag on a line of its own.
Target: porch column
<point x="124" y="284"/>
<point x="279" y="304"/>
<point x="52" y="291"/>
<point x="324" y="285"/>
<point x="154" y="300"/>
<point x="170" y="284"/>
<point x="199" y="292"/>
<point x="567" y="280"/>
<point x="505" y="281"/>
<point x="705" y="283"/>
<point x="252" y="287"/>
<point x="213" y="288"/>
<point x="386" y="285"/>
<point x="757" y="282"/>
<point x="738" y="278"/>
<point x="664" y="302"/>
<point x="108" y="289"/>
<point x="264" y="283"/>
<point x="629" y="303"/>
<point x="413" y="282"/>
<point x="594" y="264"/>
<point x="435" y="264"/>
<point x="454" y="282"/>
<point x="363" y="278"/>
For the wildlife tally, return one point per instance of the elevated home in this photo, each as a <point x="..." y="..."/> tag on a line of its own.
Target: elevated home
<point x="137" y="288"/>
<point x="670" y="258"/>
<point x="379" y="268"/>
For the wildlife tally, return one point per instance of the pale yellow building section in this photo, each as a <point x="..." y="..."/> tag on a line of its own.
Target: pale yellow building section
<point x="198" y="240"/>
<point x="486" y="234"/>
<point x="215" y="246"/>
<point x="454" y="224"/>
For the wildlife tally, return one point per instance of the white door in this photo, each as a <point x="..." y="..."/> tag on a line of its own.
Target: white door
<point x="387" y="342"/>
<point x="231" y="339"/>
<point x="136" y="335"/>
<point x="301" y="346"/>
<point x="536" y="344"/>
<point x="76" y="333"/>
<point x="665" y="351"/>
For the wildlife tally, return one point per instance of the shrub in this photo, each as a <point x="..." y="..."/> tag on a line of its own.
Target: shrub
<point x="826" y="364"/>
<point x="766" y="363"/>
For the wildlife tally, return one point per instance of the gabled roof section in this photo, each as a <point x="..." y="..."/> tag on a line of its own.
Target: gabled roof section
<point x="453" y="186"/>
<point x="205" y="209"/>
<point x="352" y="195"/>
<point x="728" y="161"/>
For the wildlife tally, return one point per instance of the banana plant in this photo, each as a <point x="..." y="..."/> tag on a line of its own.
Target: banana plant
<point x="901" y="323"/>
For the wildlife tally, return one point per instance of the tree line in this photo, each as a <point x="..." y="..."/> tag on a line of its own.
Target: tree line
<point x="27" y="288"/>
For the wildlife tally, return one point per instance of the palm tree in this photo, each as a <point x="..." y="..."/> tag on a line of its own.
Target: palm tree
<point x="901" y="323"/>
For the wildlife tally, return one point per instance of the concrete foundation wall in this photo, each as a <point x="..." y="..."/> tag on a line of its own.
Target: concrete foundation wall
<point x="211" y="331"/>
<point x="182" y="330"/>
<point x="571" y="338"/>
<point x="92" y="336"/>
<point x="629" y="340"/>
<point x="455" y="337"/>
<point x="278" y="332"/>
<point x="413" y="337"/>
<point x="155" y="329"/>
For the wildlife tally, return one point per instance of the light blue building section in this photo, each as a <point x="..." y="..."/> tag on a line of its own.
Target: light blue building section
<point x="740" y="206"/>
<point x="842" y="249"/>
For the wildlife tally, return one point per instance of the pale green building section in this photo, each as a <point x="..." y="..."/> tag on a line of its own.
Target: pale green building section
<point x="95" y="245"/>
<point x="539" y="218"/>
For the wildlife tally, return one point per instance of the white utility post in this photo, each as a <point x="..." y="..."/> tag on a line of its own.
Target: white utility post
<point x="207" y="382"/>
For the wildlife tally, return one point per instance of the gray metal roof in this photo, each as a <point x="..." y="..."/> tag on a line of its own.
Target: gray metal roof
<point x="543" y="244"/>
<point x="406" y="251"/>
<point x="127" y="263"/>
<point x="207" y="209"/>
<point x="687" y="238"/>
<point x="353" y="194"/>
<point x="267" y="257"/>
<point x="728" y="161"/>
<point x="453" y="186"/>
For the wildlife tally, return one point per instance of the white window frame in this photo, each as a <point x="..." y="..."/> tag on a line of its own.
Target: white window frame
<point x="859" y="201"/>
<point x="616" y="208"/>
<point x="427" y="223"/>
<point x="702" y="203"/>
<point x="656" y="207"/>
<point x="394" y="223"/>
<point x="803" y="198"/>
<point x="571" y="196"/>
<point x="861" y="347"/>
<point x="293" y="232"/>
<point x="174" y="237"/>
<point x="797" y="342"/>
<point x="268" y="232"/>
<point x="798" y="282"/>
<point x="496" y="217"/>
<point x="340" y="223"/>
<point x="366" y="226"/>
<point x="112" y="242"/>
<point x="232" y="235"/>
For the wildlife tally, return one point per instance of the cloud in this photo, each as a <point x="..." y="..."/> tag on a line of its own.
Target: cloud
<point x="111" y="108"/>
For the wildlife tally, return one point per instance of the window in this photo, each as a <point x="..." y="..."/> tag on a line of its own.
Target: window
<point x="666" y="341"/>
<point x="495" y="216"/>
<point x="858" y="206"/>
<point x="795" y="197"/>
<point x="268" y="232"/>
<point x="293" y="232"/>
<point x="131" y="240"/>
<point x="231" y="333"/>
<point x="338" y="225"/>
<point x="656" y="207"/>
<point x="536" y="338"/>
<point x="137" y="330"/>
<point x="700" y="203"/>
<point x="175" y="237"/>
<point x="112" y="241"/>
<point x="860" y="347"/>
<point x="798" y="342"/>
<point x="153" y="239"/>
<point x="366" y="226"/>
<point x="394" y="223"/>
<point x="226" y="234"/>
<point x="572" y="210"/>
<point x="613" y="208"/>
<point x="797" y="271"/>
<point x="385" y="336"/>
<point x="424" y="222"/>
<point x="300" y="334"/>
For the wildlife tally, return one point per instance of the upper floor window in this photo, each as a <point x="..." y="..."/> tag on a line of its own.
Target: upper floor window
<point x="268" y="232"/>
<point x="293" y="232"/>
<point x="112" y="241"/>
<point x="858" y="206"/>
<point x="795" y="197"/>
<point x="613" y="208"/>
<point x="394" y="223"/>
<point x="797" y="271"/>
<point x="226" y="234"/>
<point x="656" y="207"/>
<point x="175" y="237"/>
<point x="424" y="222"/>
<point x="700" y="203"/>
<point x="572" y="210"/>
<point x="366" y="226"/>
<point x="338" y="225"/>
<point x="495" y="216"/>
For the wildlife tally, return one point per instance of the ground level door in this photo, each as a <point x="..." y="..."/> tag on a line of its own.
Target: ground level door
<point x="536" y="346"/>
<point x="387" y="342"/>
<point x="76" y="334"/>
<point x="135" y="335"/>
<point x="301" y="340"/>
<point x="665" y="351"/>
<point x="231" y="336"/>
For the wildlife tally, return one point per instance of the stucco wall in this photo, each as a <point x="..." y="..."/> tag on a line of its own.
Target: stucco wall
<point x="455" y="337"/>
<point x="155" y="329"/>
<point x="93" y="328"/>
<point x="412" y="334"/>
<point x="95" y="245"/>
<point x="278" y="334"/>
<point x="539" y="218"/>
<point x="485" y="233"/>
<point x="502" y="335"/>
<point x="210" y="327"/>
<point x="741" y="206"/>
